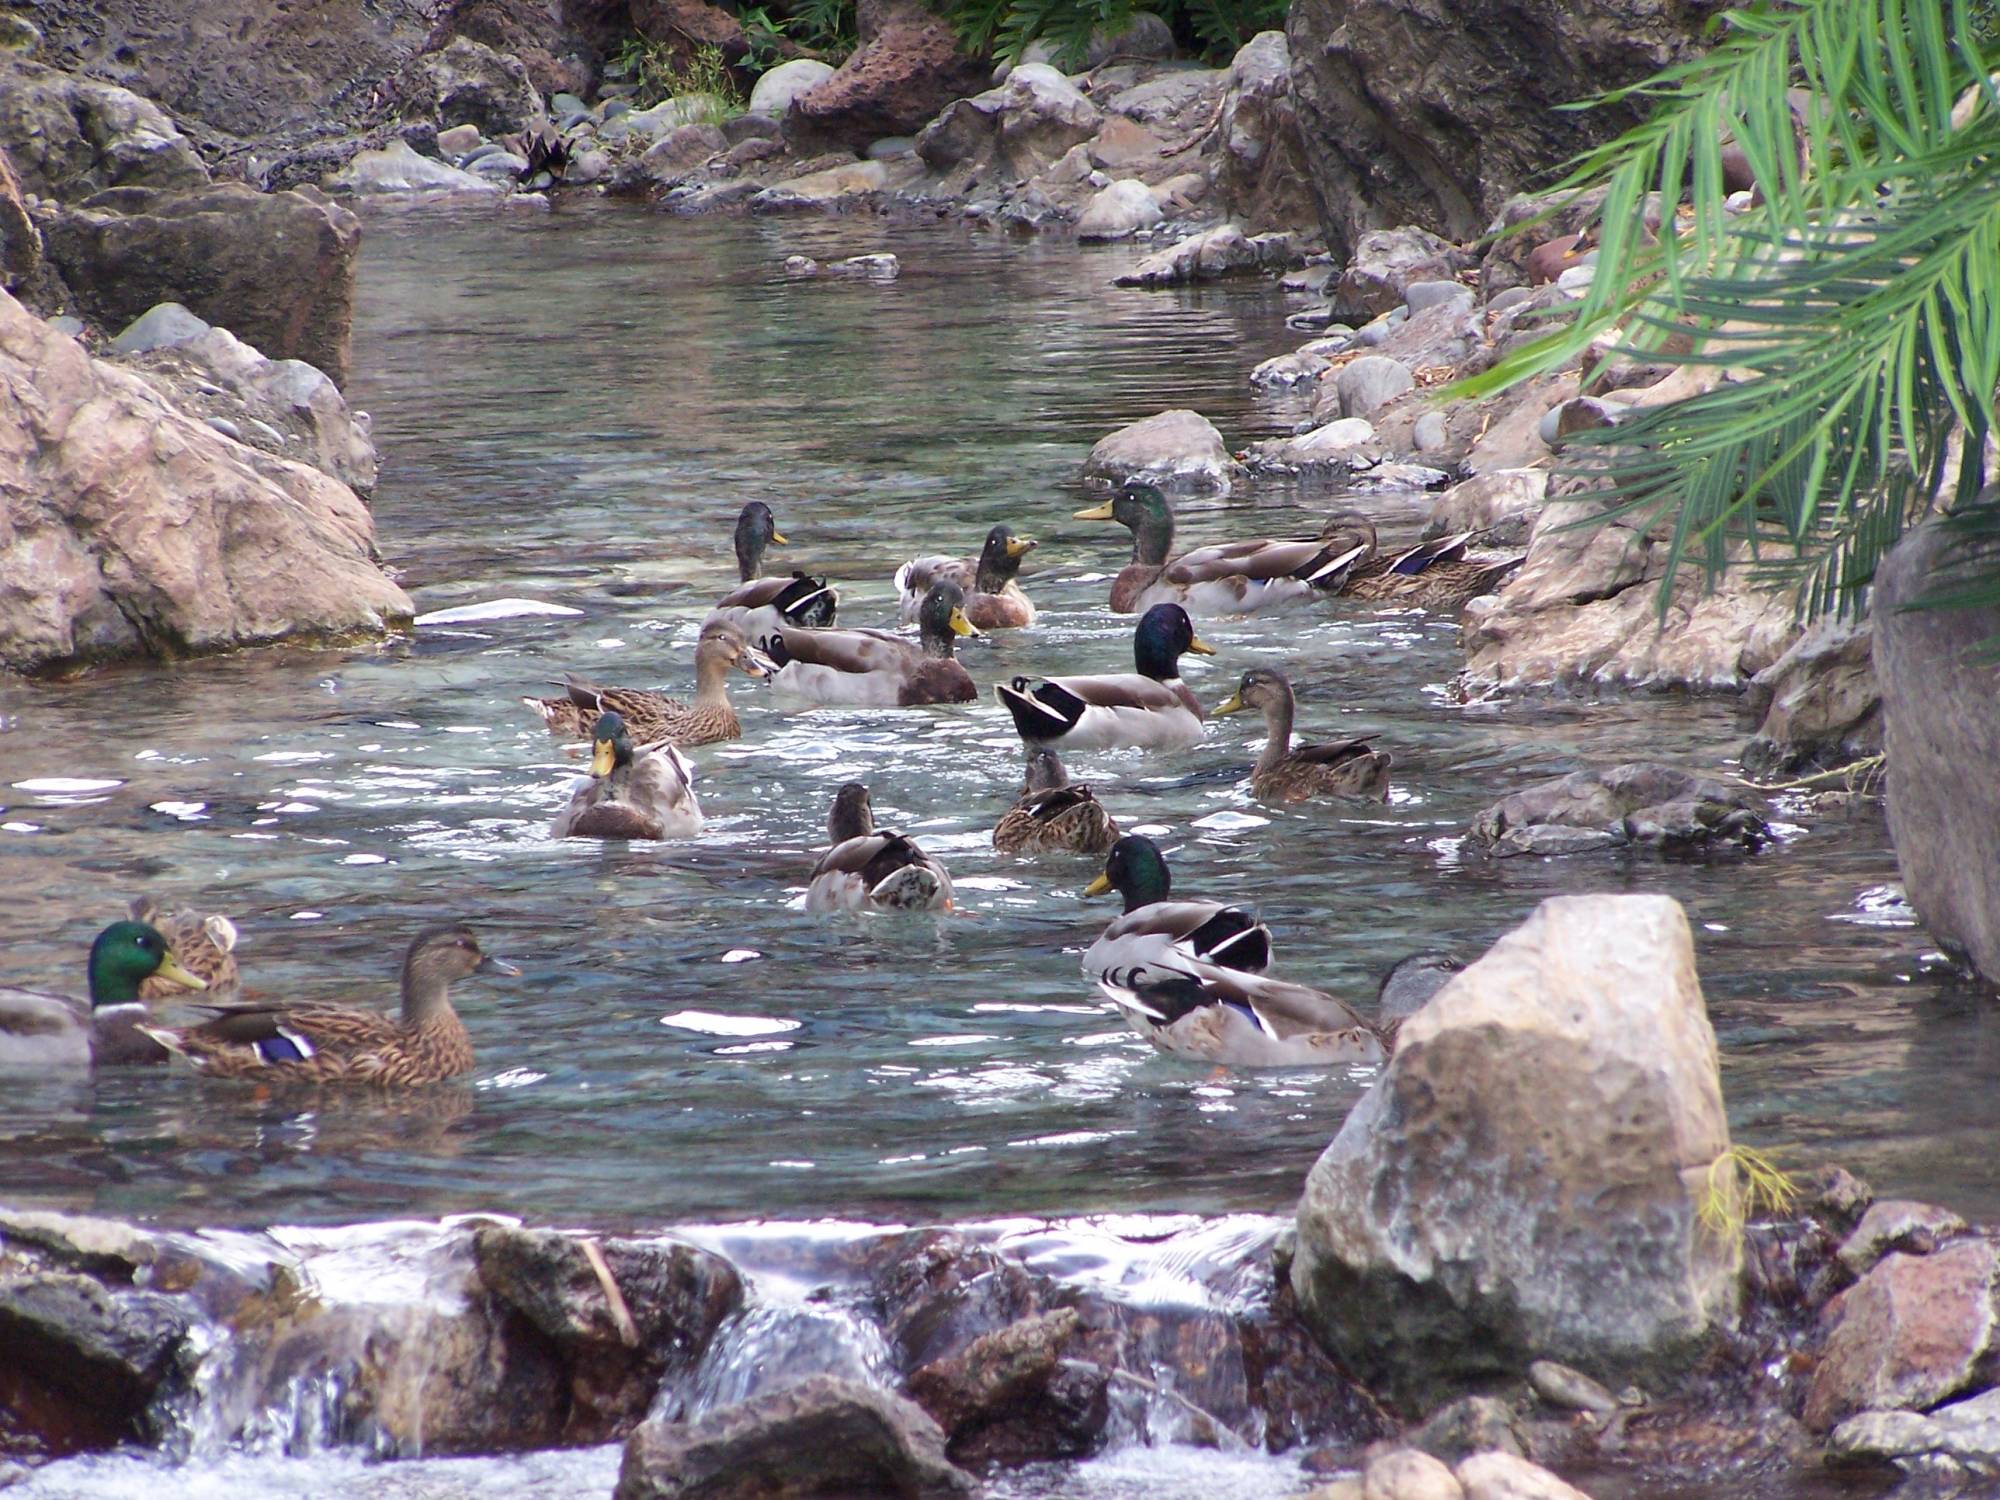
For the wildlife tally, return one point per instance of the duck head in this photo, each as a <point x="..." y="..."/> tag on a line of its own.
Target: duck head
<point x="1000" y="559"/>
<point x="1137" y="870"/>
<point x="1164" y="632"/>
<point x="853" y="815"/>
<point x="125" y="955"/>
<point x="941" y="617"/>
<point x="721" y="648"/>
<point x="1264" y="689"/>
<point x="1045" y="772"/>
<point x="437" y="956"/>
<point x="1141" y="509"/>
<point x="756" y="529"/>
<point x="610" y="744"/>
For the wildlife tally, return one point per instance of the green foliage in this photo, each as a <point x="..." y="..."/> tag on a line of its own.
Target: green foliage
<point x="1854" y="313"/>
<point x="1006" y="27"/>
<point x="659" y="71"/>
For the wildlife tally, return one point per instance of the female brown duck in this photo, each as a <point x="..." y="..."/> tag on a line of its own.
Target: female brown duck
<point x="1296" y="773"/>
<point x="426" y="1043"/>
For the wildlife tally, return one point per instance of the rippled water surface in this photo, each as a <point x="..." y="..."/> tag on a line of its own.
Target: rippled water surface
<point x="571" y="409"/>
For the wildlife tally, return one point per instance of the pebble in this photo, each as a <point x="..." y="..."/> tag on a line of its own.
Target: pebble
<point x="226" y="427"/>
<point x="1419" y="295"/>
<point x="1573" y="1390"/>
<point x="459" y="141"/>
<point x="1430" y="433"/>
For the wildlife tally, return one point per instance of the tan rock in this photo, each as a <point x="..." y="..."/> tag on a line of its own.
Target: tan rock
<point x="1502" y="1476"/>
<point x="1818" y="706"/>
<point x="1406" y="1474"/>
<point x="1525" y="1177"/>
<point x="1584" y="611"/>
<point x="129" y="528"/>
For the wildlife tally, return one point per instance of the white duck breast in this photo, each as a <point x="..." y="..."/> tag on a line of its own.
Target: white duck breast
<point x="1104" y="713"/>
<point x="867" y="668"/>
<point x="40" y="1031"/>
<point x="760" y="608"/>
<point x="651" y="798"/>
<point x="1219" y="1015"/>
<point x="1166" y="932"/>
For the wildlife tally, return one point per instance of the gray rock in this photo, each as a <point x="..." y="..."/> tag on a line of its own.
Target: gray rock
<point x="459" y="142"/>
<point x="1222" y="251"/>
<point x="1145" y="35"/>
<point x="1261" y="173"/>
<point x="1572" y="1390"/>
<point x="777" y="90"/>
<point x="1177" y="450"/>
<point x="1513" y="297"/>
<point x="591" y="164"/>
<point x="1965" y="1433"/>
<point x="161" y="326"/>
<point x="226" y="427"/>
<point x="69" y="137"/>
<point x="395" y="168"/>
<point x="1337" y="445"/>
<point x="1430" y="435"/>
<point x="1894" y="1224"/>
<point x="1119" y="211"/>
<point x="1384" y="265"/>
<point x="478" y="86"/>
<point x="1430" y="1256"/>
<point x="1818" y="706"/>
<point x="1942" y="719"/>
<point x="822" y="1437"/>
<point x="680" y="151"/>
<point x="503" y="167"/>
<point x="1020" y="128"/>
<point x="79" y="1339"/>
<point x="1636" y="803"/>
<point x="1502" y="505"/>
<point x="1282" y="371"/>
<point x="1371" y="382"/>
<point x="1419" y="295"/>
<point x="1175" y="101"/>
<point x="827" y="188"/>
<point x="891" y="148"/>
<point x="752" y="126"/>
<point x="1471" y="1424"/>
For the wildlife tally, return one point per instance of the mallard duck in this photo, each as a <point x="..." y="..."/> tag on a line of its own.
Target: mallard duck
<point x="1219" y="1015"/>
<point x="650" y="716"/>
<point x="1297" y="773"/>
<point x="993" y="596"/>
<point x="634" y="792"/>
<point x="1232" y="578"/>
<point x="874" y="669"/>
<point x="203" y="946"/>
<point x="758" y="606"/>
<point x="1438" y="575"/>
<point x="1150" y="707"/>
<point x="1054" y="814"/>
<point x="336" y="1044"/>
<point x="52" y="1031"/>
<point x="1410" y="983"/>
<point x="1154" y="930"/>
<point x="873" y="869"/>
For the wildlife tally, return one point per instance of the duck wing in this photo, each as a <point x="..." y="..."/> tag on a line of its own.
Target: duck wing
<point x="915" y="577"/>
<point x="1205" y="1010"/>
<point x="1158" y="934"/>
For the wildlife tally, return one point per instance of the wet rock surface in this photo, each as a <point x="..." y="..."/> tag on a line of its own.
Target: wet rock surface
<point x="69" y="138"/>
<point x="1817" y="707"/>
<point x="1638" y="803"/>
<point x="821" y="1437"/>
<point x="1938" y="708"/>
<point x="275" y="269"/>
<point x="1180" y="451"/>
<point x="133" y="529"/>
<point x="1455" y="1229"/>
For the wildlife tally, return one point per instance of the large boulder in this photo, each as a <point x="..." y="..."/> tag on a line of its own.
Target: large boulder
<point x="1584" y="611"/>
<point x="821" y="1437"/>
<point x="1020" y="128"/>
<point x="480" y="87"/>
<point x="1818" y="706"/>
<point x="907" y="68"/>
<point x="1639" y="803"/>
<point x="70" y="137"/>
<point x="1526" y="1177"/>
<point x="273" y="404"/>
<point x="20" y="236"/>
<point x="1177" y="450"/>
<point x="1260" y="171"/>
<point x="1941" y="719"/>
<point x="129" y="528"/>
<point x="559" y="42"/>
<point x="276" y="269"/>
<point x="783" y="86"/>
<point x="394" y="167"/>
<point x="1384" y="264"/>
<point x="88" y="1361"/>
<point x="1419" y="113"/>
<point x="1210" y="255"/>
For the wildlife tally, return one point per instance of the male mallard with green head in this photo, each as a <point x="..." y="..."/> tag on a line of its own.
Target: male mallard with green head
<point x="994" y="599"/>
<point x="1297" y="773"/>
<point x="1149" y="707"/>
<point x="51" y="1031"/>
<point x="873" y="869"/>
<point x="425" y="1043"/>
<point x="874" y="669"/>
<point x="650" y="716"/>
<point x="1055" y="814"/>
<point x="758" y="606"/>
<point x="1155" y="930"/>
<point x="634" y="791"/>
<point x="1231" y="578"/>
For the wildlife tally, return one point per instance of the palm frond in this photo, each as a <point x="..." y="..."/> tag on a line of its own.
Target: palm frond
<point x="1847" y="324"/>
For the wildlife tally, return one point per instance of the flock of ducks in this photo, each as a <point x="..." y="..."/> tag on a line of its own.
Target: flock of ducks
<point x="1189" y="975"/>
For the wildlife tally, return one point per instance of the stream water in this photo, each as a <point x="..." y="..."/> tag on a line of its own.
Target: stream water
<point x="571" y="408"/>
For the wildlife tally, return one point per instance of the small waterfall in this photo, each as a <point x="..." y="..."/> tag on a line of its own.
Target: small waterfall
<point x="770" y="1345"/>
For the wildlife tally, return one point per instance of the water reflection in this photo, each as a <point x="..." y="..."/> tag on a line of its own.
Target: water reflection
<point x="572" y="417"/>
